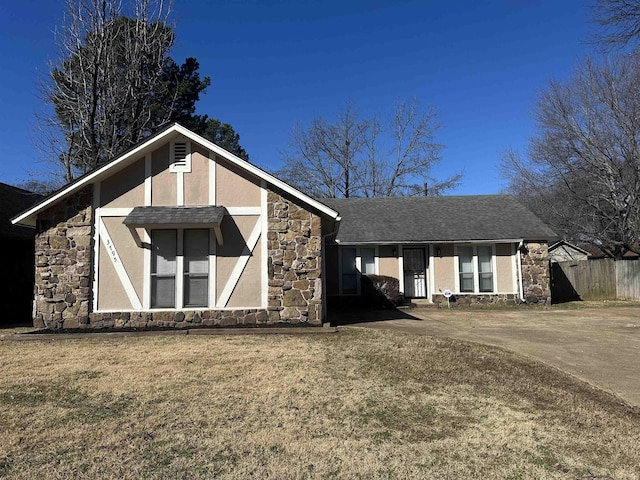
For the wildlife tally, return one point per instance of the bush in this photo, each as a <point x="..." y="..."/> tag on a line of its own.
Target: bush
<point x="380" y="290"/>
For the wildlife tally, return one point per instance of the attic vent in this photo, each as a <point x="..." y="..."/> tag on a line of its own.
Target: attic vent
<point x="180" y="159"/>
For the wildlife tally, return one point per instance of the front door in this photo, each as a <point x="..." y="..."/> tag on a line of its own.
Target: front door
<point x="415" y="278"/>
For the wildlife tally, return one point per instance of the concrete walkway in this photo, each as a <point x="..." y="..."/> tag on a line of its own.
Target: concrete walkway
<point x="600" y="345"/>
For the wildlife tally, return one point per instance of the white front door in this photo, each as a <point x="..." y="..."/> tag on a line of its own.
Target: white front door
<point x="415" y="278"/>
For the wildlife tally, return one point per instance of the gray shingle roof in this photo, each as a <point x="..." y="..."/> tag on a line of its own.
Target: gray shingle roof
<point x="436" y="219"/>
<point x="206" y="215"/>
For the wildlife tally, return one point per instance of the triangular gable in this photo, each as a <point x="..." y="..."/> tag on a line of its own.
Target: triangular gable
<point x="28" y="217"/>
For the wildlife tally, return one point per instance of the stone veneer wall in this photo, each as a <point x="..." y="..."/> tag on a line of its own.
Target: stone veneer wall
<point x="477" y="299"/>
<point x="536" y="285"/>
<point x="294" y="247"/>
<point x="64" y="274"/>
<point x="62" y="291"/>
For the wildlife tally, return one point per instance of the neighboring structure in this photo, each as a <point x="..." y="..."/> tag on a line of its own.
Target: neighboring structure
<point x="597" y="252"/>
<point x="17" y="267"/>
<point x="483" y="249"/>
<point x="177" y="232"/>
<point x="563" y="251"/>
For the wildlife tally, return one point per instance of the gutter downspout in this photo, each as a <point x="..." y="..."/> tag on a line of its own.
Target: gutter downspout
<point x="324" y="268"/>
<point x="520" y="287"/>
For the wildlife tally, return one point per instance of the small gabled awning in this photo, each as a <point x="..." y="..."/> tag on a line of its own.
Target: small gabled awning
<point x="177" y="217"/>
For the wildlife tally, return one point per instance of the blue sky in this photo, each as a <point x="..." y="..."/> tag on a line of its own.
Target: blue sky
<point x="276" y="63"/>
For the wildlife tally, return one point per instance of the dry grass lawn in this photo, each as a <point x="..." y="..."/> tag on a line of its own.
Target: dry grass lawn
<point x="358" y="404"/>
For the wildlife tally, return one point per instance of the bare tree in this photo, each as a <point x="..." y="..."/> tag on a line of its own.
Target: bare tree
<point x="619" y="22"/>
<point x="582" y="172"/>
<point x="101" y="88"/>
<point x="363" y="157"/>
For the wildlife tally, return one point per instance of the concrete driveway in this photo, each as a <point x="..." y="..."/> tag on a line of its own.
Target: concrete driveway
<point x="599" y="344"/>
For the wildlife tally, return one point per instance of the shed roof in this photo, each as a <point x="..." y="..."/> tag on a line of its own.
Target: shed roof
<point x="205" y="215"/>
<point x="436" y="219"/>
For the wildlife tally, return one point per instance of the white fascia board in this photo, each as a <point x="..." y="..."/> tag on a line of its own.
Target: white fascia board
<point x="28" y="218"/>
<point x="243" y="164"/>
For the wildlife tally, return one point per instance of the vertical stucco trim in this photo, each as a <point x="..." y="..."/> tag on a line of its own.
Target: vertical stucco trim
<point x="147" y="179"/>
<point x="180" y="188"/>
<point x="212" y="178"/>
<point x="146" y="238"/>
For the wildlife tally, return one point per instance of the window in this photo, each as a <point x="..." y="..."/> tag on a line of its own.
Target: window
<point x="180" y="157"/>
<point x="485" y="270"/>
<point x="349" y="277"/>
<point x="367" y="261"/>
<point x="165" y="261"/>
<point x="163" y="268"/>
<point x="465" y="267"/>
<point x="475" y="269"/>
<point x="196" y="268"/>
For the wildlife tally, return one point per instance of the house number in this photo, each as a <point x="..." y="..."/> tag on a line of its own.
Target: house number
<point x="112" y="251"/>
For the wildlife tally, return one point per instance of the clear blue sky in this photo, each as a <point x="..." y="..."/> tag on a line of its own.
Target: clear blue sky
<point x="274" y="63"/>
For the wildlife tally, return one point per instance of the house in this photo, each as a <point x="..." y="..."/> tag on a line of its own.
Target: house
<point x="177" y="232"/>
<point x="563" y="251"/>
<point x="17" y="242"/>
<point x="480" y="248"/>
<point x="598" y="252"/>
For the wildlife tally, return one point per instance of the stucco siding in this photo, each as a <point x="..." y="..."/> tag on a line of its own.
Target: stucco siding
<point x="444" y="269"/>
<point x="111" y="294"/>
<point x="125" y="189"/>
<point x="163" y="182"/>
<point x="235" y="188"/>
<point x="196" y="183"/>
<point x="387" y="261"/>
<point x="131" y="256"/>
<point x="504" y="268"/>
<point x="236" y="231"/>
<point x="246" y="294"/>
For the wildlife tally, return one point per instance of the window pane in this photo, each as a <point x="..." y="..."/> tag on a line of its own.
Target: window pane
<point x="368" y="261"/>
<point x="465" y="255"/>
<point x="196" y="291"/>
<point x="348" y="261"/>
<point x="163" y="292"/>
<point x="196" y="251"/>
<point x="196" y="268"/>
<point x="164" y="252"/>
<point x="484" y="259"/>
<point x="466" y="282"/>
<point x="163" y="268"/>
<point x="349" y="284"/>
<point x="486" y="282"/>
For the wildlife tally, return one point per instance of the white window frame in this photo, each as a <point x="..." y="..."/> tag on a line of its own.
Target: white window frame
<point x="180" y="274"/>
<point x="476" y="273"/>
<point x="180" y="168"/>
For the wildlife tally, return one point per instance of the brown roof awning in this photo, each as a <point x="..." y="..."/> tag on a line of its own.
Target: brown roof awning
<point x="177" y="217"/>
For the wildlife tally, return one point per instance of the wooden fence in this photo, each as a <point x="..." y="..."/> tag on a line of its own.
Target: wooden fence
<point x="604" y="279"/>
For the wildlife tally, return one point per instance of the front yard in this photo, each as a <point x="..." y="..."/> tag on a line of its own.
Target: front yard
<point x="357" y="404"/>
